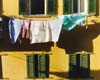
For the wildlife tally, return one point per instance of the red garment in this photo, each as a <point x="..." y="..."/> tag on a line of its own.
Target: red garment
<point x="25" y="29"/>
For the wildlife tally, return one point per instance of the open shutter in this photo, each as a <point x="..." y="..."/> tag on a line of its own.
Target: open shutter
<point x="84" y="65"/>
<point x="52" y="6"/>
<point x="30" y="66"/>
<point x="43" y="66"/>
<point x="23" y="7"/>
<point x="67" y="7"/>
<point x="92" y="6"/>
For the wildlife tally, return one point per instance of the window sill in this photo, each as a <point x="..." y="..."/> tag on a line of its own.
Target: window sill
<point x="37" y="16"/>
<point x="50" y="78"/>
<point x="91" y="14"/>
<point x="4" y="78"/>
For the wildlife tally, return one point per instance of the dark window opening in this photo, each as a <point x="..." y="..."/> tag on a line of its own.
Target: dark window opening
<point x="75" y="6"/>
<point x="37" y="7"/>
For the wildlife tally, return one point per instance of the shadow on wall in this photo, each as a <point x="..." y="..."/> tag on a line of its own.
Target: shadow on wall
<point x="6" y="46"/>
<point x="79" y="39"/>
<point x="94" y="75"/>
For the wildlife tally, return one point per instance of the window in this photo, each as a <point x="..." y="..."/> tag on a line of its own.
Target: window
<point x="79" y="65"/>
<point x="74" y="6"/>
<point x="32" y="7"/>
<point x="38" y="66"/>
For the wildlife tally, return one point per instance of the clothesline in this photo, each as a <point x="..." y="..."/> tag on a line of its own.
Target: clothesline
<point x="33" y="17"/>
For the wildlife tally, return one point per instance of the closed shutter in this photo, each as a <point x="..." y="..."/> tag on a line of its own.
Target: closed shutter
<point x="38" y="66"/>
<point x="67" y="7"/>
<point x="84" y="65"/>
<point x="52" y="6"/>
<point x="23" y="7"/>
<point x="92" y="6"/>
<point x="30" y="66"/>
<point x="43" y="66"/>
<point x="73" y="65"/>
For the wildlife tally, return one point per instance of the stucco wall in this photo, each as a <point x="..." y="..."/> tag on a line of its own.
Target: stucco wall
<point x="14" y="63"/>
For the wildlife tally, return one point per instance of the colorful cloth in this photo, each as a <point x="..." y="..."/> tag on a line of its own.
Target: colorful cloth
<point x="70" y="21"/>
<point x="25" y="29"/>
<point x="15" y="26"/>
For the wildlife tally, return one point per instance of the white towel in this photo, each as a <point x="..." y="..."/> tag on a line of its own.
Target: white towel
<point x="56" y="26"/>
<point x="40" y="32"/>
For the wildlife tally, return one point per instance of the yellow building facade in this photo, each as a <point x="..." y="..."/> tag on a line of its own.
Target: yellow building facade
<point x="14" y="65"/>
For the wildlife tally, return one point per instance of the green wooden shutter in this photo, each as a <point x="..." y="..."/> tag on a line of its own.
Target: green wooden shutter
<point x="52" y="6"/>
<point x="92" y="6"/>
<point x="84" y="65"/>
<point x="23" y="7"/>
<point x="43" y="66"/>
<point x="67" y="7"/>
<point x="30" y="66"/>
<point x="73" y="59"/>
<point x="72" y="65"/>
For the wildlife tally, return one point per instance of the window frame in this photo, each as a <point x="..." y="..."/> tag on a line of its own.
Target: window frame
<point x="79" y="7"/>
<point x="46" y="12"/>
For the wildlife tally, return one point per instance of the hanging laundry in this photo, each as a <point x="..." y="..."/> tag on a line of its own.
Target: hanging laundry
<point x="56" y="26"/>
<point x="40" y="32"/>
<point x="70" y="21"/>
<point x="15" y="26"/>
<point x="25" y="29"/>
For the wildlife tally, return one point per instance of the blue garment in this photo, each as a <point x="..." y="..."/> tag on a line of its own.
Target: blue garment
<point x="70" y="21"/>
<point x="11" y="30"/>
<point x="15" y="27"/>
